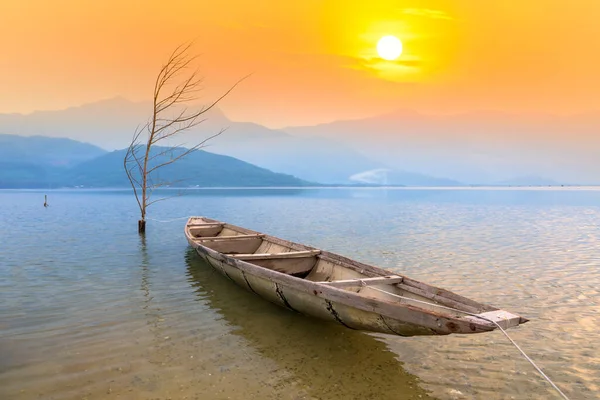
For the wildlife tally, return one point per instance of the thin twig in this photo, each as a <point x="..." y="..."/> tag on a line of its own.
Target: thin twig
<point x="162" y="127"/>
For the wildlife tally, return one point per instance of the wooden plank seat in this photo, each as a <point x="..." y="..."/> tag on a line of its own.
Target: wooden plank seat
<point x="207" y="224"/>
<point x="270" y="256"/>
<point x="207" y="229"/>
<point x="296" y="263"/>
<point x="230" y="237"/>
<point x="378" y="280"/>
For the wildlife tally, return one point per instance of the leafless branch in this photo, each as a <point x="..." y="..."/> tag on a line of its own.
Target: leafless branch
<point x="161" y="199"/>
<point x="139" y="163"/>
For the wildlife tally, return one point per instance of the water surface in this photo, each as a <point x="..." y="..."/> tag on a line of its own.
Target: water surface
<point x="88" y="309"/>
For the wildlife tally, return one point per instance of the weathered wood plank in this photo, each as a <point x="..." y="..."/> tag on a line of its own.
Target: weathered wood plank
<point x="443" y="296"/>
<point x="380" y="280"/>
<point x="230" y="237"/>
<point x="205" y="224"/>
<point x="434" y="297"/>
<point x="503" y="318"/>
<point x="244" y="246"/>
<point x="291" y="266"/>
<point x="266" y="256"/>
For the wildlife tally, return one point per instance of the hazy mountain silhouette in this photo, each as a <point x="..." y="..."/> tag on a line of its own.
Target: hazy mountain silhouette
<point x="478" y="147"/>
<point x="36" y="161"/>
<point x="484" y="147"/>
<point x="111" y="123"/>
<point x="20" y="175"/>
<point x="108" y="123"/>
<point x="39" y="150"/>
<point x="199" y="168"/>
<point x="41" y="162"/>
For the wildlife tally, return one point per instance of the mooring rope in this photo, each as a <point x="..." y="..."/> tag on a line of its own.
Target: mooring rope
<point x="488" y="320"/>
<point x="168" y="220"/>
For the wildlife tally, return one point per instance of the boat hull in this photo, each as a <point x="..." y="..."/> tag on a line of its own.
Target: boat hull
<point x="288" y="295"/>
<point x="334" y="288"/>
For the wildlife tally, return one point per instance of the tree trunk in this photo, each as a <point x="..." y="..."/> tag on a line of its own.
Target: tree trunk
<point x="170" y="117"/>
<point x="142" y="226"/>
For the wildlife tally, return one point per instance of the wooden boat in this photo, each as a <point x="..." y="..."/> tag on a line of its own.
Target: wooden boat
<point x="331" y="287"/>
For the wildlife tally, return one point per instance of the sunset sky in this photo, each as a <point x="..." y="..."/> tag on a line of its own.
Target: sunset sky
<point x="312" y="60"/>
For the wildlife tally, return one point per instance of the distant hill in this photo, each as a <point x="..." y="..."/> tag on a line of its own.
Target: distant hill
<point x="18" y="175"/>
<point x="37" y="161"/>
<point x="199" y="168"/>
<point x="317" y="160"/>
<point x="41" y="162"/>
<point x="110" y="124"/>
<point x="482" y="147"/>
<point x="106" y="123"/>
<point x="40" y="150"/>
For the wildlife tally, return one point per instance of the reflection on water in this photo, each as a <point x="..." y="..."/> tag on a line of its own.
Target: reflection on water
<point x="102" y="312"/>
<point x="88" y="309"/>
<point x="321" y="359"/>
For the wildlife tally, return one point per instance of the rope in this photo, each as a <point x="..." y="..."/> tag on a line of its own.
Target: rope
<point x="488" y="320"/>
<point x="168" y="220"/>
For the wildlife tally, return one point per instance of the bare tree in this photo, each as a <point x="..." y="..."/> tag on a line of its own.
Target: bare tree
<point x="170" y="118"/>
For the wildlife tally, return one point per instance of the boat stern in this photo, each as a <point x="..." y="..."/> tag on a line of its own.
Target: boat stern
<point x="501" y="318"/>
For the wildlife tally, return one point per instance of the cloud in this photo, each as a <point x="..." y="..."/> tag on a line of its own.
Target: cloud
<point x="427" y="13"/>
<point x="377" y="63"/>
<point x="374" y="176"/>
<point x="396" y="70"/>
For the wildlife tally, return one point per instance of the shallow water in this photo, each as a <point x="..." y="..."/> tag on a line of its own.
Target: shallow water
<point x="90" y="310"/>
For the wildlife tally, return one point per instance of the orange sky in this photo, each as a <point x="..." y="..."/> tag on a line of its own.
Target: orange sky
<point x="313" y="61"/>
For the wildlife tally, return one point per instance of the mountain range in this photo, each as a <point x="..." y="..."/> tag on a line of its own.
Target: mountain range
<point x="42" y="162"/>
<point x="484" y="147"/>
<point x="110" y="124"/>
<point x="400" y="148"/>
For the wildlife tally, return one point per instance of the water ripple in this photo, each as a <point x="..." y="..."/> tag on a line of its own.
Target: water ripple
<point x="89" y="309"/>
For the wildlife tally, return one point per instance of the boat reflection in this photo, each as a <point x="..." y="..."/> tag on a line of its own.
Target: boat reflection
<point x="326" y="360"/>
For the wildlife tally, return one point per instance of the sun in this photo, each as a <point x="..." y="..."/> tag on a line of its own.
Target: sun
<point x="389" y="47"/>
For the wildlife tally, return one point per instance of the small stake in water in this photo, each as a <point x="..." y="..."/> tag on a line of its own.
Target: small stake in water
<point x="45" y="200"/>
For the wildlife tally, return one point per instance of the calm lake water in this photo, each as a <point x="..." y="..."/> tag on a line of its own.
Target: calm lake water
<point x="89" y="310"/>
